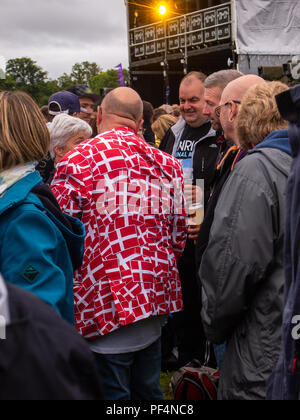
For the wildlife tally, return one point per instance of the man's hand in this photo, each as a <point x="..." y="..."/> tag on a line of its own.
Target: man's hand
<point x="193" y="232"/>
<point x="193" y="194"/>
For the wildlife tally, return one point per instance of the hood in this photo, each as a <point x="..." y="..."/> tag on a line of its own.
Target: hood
<point x="276" y="141"/>
<point x="18" y="193"/>
<point x="31" y="190"/>
<point x="4" y="308"/>
<point x="71" y="228"/>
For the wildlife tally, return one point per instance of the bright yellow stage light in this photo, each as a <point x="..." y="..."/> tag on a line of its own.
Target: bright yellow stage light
<point x="162" y="10"/>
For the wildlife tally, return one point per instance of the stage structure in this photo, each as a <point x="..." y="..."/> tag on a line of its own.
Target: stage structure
<point x="208" y="35"/>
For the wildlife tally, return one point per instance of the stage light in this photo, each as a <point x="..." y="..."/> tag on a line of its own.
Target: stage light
<point x="162" y="9"/>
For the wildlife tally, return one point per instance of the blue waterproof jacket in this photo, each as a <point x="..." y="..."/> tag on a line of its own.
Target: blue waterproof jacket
<point x="38" y="251"/>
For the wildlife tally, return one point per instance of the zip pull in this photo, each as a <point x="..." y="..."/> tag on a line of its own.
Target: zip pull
<point x="294" y="365"/>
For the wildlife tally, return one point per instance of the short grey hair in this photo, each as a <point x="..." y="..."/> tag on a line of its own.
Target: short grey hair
<point x="194" y="75"/>
<point x="63" y="127"/>
<point x="221" y="78"/>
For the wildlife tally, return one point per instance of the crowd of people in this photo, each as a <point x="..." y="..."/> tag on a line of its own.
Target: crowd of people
<point x="136" y="239"/>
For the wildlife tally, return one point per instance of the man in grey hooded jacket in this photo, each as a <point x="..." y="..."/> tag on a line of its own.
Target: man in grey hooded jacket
<point x="242" y="270"/>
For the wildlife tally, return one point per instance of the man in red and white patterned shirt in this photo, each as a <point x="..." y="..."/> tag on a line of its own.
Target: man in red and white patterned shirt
<point x="129" y="196"/>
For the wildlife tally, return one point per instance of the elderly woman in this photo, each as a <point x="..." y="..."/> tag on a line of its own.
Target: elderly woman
<point x="67" y="132"/>
<point x="40" y="246"/>
<point x="242" y="270"/>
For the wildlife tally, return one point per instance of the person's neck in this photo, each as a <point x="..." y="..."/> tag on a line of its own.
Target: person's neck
<point x="198" y="125"/>
<point x="112" y="123"/>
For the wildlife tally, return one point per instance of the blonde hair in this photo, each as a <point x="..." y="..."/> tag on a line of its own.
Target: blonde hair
<point x="24" y="136"/>
<point x="259" y="115"/>
<point x="162" y="125"/>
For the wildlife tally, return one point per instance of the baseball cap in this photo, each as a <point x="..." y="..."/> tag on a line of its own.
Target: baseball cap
<point x="83" y="91"/>
<point x="63" y="102"/>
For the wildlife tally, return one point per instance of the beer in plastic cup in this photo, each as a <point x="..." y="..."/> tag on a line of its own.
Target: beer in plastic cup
<point x="196" y="214"/>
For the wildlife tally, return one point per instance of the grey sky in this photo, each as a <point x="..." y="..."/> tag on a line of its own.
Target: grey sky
<point x="60" y="33"/>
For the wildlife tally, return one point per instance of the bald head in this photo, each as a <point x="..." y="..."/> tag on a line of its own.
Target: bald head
<point x="124" y="103"/>
<point x="236" y="89"/>
<point x="229" y="105"/>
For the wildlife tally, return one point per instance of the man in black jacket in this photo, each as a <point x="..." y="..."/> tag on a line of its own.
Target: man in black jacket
<point x="194" y="143"/>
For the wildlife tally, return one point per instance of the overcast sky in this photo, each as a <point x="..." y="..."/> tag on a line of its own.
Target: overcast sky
<point x="59" y="33"/>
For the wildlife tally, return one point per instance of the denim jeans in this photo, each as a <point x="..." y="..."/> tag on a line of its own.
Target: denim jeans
<point x="131" y="376"/>
<point x="220" y="353"/>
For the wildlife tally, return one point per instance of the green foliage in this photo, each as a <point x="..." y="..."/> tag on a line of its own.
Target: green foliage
<point x="82" y="73"/>
<point x="108" y="79"/>
<point x="24" y="74"/>
<point x="25" y="71"/>
<point x="64" y="81"/>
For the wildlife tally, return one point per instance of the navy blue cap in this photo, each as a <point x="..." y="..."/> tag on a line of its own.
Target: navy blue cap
<point x="63" y="102"/>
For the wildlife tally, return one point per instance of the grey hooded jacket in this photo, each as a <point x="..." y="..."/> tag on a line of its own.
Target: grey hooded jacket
<point x="4" y="309"/>
<point x="242" y="272"/>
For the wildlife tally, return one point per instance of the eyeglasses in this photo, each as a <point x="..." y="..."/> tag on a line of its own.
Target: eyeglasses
<point x="218" y="109"/>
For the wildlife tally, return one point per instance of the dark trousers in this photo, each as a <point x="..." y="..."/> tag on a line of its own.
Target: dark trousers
<point x="131" y="376"/>
<point x="192" y="340"/>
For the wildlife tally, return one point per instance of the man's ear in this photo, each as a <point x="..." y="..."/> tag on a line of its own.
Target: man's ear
<point x="139" y="125"/>
<point x="233" y="112"/>
<point x="99" y="115"/>
<point x="59" y="152"/>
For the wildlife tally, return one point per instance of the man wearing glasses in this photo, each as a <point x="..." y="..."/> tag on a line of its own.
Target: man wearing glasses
<point x="231" y="98"/>
<point x="225" y="115"/>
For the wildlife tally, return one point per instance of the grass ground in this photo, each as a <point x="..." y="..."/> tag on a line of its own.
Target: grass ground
<point x="165" y="379"/>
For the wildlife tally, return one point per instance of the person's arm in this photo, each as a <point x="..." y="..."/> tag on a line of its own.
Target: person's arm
<point x="179" y="222"/>
<point x="32" y="257"/>
<point x="69" y="186"/>
<point x="238" y="254"/>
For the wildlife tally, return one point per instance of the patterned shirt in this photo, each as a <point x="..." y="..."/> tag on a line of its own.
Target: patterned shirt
<point x="129" y="196"/>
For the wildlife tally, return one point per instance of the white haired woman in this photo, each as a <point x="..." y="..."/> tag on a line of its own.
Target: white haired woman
<point x="67" y="132"/>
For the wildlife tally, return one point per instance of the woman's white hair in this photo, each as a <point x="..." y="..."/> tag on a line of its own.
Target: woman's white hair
<point x="63" y="127"/>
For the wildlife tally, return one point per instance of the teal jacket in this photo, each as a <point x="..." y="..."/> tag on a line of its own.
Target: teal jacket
<point x="38" y="252"/>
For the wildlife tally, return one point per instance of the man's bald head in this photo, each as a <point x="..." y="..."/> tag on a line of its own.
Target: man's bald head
<point x="229" y="105"/>
<point x="236" y="89"/>
<point x="124" y="103"/>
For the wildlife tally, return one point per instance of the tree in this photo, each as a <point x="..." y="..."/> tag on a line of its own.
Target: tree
<point x="108" y="79"/>
<point x="82" y="73"/>
<point x="8" y="83"/>
<point x="25" y="71"/>
<point x="27" y="76"/>
<point x="65" y="81"/>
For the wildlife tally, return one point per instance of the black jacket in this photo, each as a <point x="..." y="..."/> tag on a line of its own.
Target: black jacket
<point x="205" y="154"/>
<point x="43" y="357"/>
<point x="221" y="175"/>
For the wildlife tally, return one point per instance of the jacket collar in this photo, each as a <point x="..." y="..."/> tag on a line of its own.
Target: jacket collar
<point x="19" y="191"/>
<point x="277" y="140"/>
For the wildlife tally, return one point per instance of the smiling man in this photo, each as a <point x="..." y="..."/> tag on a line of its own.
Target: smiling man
<point x="193" y="142"/>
